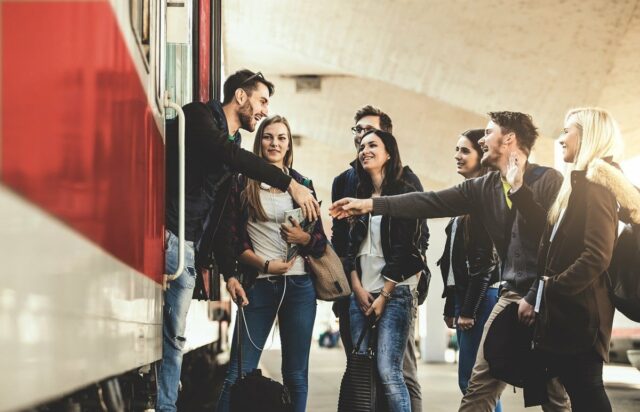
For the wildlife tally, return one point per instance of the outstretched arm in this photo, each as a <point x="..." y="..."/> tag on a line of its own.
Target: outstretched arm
<point x="454" y="201"/>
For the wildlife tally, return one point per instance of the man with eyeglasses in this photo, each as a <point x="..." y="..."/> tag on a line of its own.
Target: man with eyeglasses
<point x="345" y="185"/>
<point x="212" y="155"/>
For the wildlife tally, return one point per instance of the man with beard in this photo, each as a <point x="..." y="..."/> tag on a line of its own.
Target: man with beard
<point x="212" y="155"/>
<point x="509" y="138"/>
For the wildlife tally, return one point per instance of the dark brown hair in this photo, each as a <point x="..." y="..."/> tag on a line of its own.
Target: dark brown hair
<point x="474" y="135"/>
<point x="246" y="80"/>
<point x="392" y="169"/>
<point x="519" y="123"/>
<point x="368" y="110"/>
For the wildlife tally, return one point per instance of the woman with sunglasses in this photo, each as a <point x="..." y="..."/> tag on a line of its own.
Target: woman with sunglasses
<point x="270" y="285"/>
<point x="384" y="261"/>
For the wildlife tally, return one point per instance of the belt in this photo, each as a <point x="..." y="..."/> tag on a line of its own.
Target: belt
<point x="273" y="278"/>
<point x="495" y="285"/>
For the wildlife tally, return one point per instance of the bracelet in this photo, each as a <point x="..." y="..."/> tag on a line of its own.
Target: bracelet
<point x="266" y="266"/>
<point x="385" y="294"/>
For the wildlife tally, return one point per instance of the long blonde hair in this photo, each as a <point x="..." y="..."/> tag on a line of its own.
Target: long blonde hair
<point x="250" y="196"/>
<point x="599" y="138"/>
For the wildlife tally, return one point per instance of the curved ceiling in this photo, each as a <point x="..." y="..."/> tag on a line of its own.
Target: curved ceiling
<point x="537" y="57"/>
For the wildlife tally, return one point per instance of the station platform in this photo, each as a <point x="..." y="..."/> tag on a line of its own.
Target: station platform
<point x="439" y="383"/>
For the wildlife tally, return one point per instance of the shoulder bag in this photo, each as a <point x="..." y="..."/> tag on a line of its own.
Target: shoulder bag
<point x="328" y="276"/>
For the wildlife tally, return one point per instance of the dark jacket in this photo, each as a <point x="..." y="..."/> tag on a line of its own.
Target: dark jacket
<point x="346" y="185"/>
<point x="400" y="240"/>
<point x="236" y="237"/>
<point x="211" y="158"/>
<point x="475" y="267"/>
<point x="576" y="312"/>
<point x="516" y="238"/>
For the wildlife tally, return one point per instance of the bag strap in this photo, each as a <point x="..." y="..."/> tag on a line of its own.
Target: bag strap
<point x="239" y="326"/>
<point x="370" y="328"/>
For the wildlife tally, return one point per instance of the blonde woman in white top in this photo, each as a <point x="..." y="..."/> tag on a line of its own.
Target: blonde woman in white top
<point x="269" y="285"/>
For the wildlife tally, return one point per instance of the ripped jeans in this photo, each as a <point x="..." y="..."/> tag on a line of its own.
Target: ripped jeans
<point x="177" y="299"/>
<point x="393" y="333"/>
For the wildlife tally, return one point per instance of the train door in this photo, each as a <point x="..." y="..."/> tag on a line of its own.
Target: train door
<point x="192" y="50"/>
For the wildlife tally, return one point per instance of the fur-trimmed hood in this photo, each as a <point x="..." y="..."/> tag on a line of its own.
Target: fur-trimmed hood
<point x="612" y="178"/>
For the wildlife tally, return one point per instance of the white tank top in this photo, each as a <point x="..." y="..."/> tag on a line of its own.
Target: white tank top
<point x="265" y="236"/>
<point x="372" y="260"/>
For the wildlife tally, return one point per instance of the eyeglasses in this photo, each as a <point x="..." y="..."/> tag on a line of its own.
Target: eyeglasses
<point x="359" y="129"/>
<point x="250" y="78"/>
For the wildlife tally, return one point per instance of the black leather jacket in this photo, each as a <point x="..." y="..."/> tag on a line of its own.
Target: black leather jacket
<point x="475" y="267"/>
<point x="400" y="242"/>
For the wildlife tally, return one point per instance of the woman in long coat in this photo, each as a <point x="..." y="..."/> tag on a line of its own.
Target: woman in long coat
<point x="575" y="317"/>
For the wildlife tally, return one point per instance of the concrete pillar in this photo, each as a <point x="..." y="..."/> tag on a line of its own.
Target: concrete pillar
<point x="432" y="330"/>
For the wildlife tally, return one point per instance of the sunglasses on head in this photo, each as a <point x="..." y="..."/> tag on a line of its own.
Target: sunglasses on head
<point x="258" y="75"/>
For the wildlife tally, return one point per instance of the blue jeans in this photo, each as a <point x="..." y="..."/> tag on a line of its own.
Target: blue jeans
<point x="296" y="318"/>
<point x="469" y="340"/>
<point x="177" y="299"/>
<point x="393" y="332"/>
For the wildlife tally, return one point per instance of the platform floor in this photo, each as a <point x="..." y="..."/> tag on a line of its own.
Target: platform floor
<point x="439" y="384"/>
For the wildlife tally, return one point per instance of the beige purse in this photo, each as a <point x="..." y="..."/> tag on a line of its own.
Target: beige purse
<point x="328" y="276"/>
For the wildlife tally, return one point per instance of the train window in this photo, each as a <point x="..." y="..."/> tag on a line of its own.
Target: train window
<point x="179" y="74"/>
<point x="179" y="53"/>
<point x="140" y="23"/>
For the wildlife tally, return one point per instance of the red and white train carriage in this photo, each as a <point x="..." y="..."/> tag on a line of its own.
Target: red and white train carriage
<point x="82" y="198"/>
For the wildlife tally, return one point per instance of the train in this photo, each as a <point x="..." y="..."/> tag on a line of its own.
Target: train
<point x="86" y="91"/>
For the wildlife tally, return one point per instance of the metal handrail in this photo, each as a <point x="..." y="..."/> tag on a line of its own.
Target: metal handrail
<point x="181" y="189"/>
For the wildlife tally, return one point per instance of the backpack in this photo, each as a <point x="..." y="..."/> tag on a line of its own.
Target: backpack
<point x="624" y="273"/>
<point x="254" y="392"/>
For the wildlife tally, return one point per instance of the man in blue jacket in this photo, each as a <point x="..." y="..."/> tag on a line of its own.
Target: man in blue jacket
<point x="212" y="155"/>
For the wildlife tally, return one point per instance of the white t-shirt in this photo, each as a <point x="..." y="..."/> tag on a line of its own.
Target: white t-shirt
<point x="372" y="260"/>
<point x="451" y="279"/>
<point x="265" y="236"/>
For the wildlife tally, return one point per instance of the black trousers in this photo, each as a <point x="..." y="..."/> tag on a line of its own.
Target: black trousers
<point x="581" y="376"/>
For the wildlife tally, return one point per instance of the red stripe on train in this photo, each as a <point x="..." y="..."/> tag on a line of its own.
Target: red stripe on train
<point x="78" y="138"/>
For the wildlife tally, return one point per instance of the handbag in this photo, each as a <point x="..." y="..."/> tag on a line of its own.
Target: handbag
<point x="359" y="387"/>
<point x="511" y="359"/>
<point x="328" y="275"/>
<point x="254" y="392"/>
